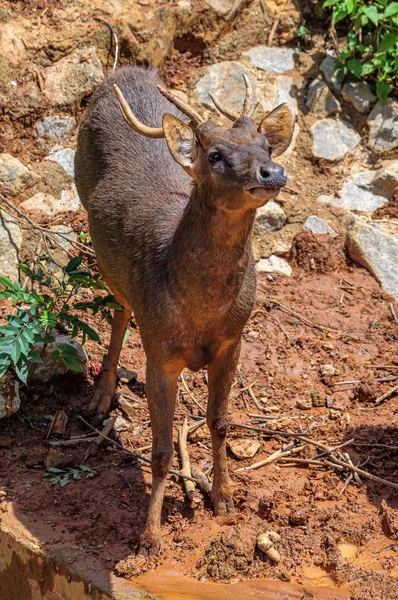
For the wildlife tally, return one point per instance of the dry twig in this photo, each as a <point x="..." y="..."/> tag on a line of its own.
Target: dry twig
<point x="302" y="319"/>
<point x="185" y="463"/>
<point x="383" y="397"/>
<point x="184" y="383"/>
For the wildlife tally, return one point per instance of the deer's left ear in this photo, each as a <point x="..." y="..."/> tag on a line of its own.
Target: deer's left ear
<point x="278" y="127"/>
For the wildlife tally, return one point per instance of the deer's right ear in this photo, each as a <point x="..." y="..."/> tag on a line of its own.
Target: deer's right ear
<point x="180" y="140"/>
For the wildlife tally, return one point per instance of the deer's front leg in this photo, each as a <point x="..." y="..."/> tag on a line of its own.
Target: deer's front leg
<point x="221" y="372"/>
<point x="161" y="387"/>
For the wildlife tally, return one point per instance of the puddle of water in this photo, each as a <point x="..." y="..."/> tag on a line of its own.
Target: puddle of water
<point x="348" y="551"/>
<point x="317" y="577"/>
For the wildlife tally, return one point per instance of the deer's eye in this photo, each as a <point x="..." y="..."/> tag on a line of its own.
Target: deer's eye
<point x="215" y="157"/>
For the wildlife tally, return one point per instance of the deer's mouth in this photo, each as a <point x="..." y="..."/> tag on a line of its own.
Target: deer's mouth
<point x="262" y="192"/>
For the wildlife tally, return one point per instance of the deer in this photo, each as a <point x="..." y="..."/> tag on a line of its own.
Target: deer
<point x="171" y="200"/>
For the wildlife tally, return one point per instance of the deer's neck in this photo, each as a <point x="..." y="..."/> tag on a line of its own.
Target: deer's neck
<point x="211" y="251"/>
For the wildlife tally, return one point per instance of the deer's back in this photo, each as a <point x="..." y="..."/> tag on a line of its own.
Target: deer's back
<point x="131" y="187"/>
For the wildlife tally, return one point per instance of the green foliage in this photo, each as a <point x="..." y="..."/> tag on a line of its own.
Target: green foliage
<point x="39" y="312"/>
<point x="372" y="42"/>
<point x="62" y="476"/>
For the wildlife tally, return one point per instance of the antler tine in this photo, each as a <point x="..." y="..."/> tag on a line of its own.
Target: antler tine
<point x="131" y="119"/>
<point x="221" y="108"/>
<point x="249" y="105"/>
<point x="195" y="117"/>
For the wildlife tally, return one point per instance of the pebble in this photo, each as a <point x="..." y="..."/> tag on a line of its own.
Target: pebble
<point x="298" y="516"/>
<point x="317" y="399"/>
<point x="272" y="60"/>
<point x="320" y="100"/>
<point x="360" y="194"/>
<point x="304" y="403"/>
<point x="318" y="226"/>
<point x="274" y="264"/>
<point x="359" y="94"/>
<point x="126" y="375"/>
<point x="327" y="370"/>
<point x="57" y="459"/>
<point x="244" y="448"/>
<point x="383" y="126"/>
<point x="10" y="400"/>
<point x="270" y="217"/>
<point x="56" y="127"/>
<point x="65" y="158"/>
<point x="327" y="67"/>
<point x="333" y="139"/>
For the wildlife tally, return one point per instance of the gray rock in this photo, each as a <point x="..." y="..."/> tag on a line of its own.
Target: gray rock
<point x="274" y="264"/>
<point x="272" y="60"/>
<point x="41" y="205"/>
<point x="121" y="424"/>
<point x="383" y="126"/>
<point x="221" y="7"/>
<point x="386" y="179"/>
<point x="65" y="236"/>
<point x="327" y="67"/>
<point x="70" y="199"/>
<point x="359" y="94"/>
<point x="317" y="225"/>
<point x="10" y="400"/>
<point x="65" y="158"/>
<point x="270" y="217"/>
<point x="359" y="193"/>
<point x="56" y="128"/>
<point x="73" y="77"/>
<point x="286" y="92"/>
<point x="320" y="100"/>
<point x="333" y="139"/>
<point x="324" y="199"/>
<point x="50" y="368"/>
<point x="14" y="176"/>
<point x="377" y="251"/>
<point x="10" y="245"/>
<point x="224" y="80"/>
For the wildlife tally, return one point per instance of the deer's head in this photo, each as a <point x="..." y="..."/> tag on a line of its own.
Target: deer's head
<point x="234" y="166"/>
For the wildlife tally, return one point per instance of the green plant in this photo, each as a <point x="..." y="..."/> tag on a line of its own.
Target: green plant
<point x="62" y="476"/>
<point x="372" y="42"/>
<point x="39" y="313"/>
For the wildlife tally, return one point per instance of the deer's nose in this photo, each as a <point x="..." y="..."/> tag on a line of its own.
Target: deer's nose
<point x="272" y="176"/>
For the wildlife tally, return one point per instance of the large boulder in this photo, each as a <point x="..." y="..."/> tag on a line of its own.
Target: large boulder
<point x="377" y="250"/>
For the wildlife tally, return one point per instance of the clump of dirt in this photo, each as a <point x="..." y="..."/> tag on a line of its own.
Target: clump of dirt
<point x="234" y="552"/>
<point x="390" y="210"/>
<point x="389" y="520"/>
<point x="367" y="391"/>
<point x="320" y="253"/>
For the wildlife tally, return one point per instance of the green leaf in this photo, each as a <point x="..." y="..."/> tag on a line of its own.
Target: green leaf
<point x="33" y="357"/>
<point x="339" y="14"/>
<point x="345" y="54"/>
<point x="388" y="41"/>
<point x="383" y="90"/>
<point x="4" y="364"/>
<point x="352" y="40"/>
<point x="6" y="282"/>
<point x="15" y="351"/>
<point x="329" y="3"/>
<point x="73" y="264"/>
<point x="391" y="10"/>
<point x="54" y="470"/>
<point x="126" y="337"/>
<point x="55" y="354"/>
<point x="355" y="66"/>
<point x="372" y="13"/>
<point x="21" y="369"/>
<point x="87" y="469"/>
<point x="350" y="5"/>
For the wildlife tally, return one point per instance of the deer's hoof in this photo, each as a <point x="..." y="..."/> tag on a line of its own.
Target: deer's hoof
<point x="150" y="544"/>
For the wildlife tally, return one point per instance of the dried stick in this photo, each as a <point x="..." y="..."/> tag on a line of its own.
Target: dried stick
<point x="253" y="397"/>
<point x="184" y="383"/>
<point x="390" y="392"/>
<point x="346" y="484"/>
<point x="302" y="319"/>
<point x="61" y="443"/>
<point x="272" y="32"/>
<point x="131" y="453"/>
<point x="393" y="313"/>
<point x="287" y="451"/>
<point x="185" y="463"/>
<point x="108" y="426"/>
<point x="202" y="480"/>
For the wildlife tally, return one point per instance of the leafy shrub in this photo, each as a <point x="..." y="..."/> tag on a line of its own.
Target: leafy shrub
<point x="39" y="313"/>
<point x="372" y="42"/>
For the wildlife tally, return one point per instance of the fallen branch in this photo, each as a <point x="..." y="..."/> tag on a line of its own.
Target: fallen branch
<point x="108" y="426"/>
<point x="302" y="319"/>
<point x="284" y="451"/>
<point x="390" y="392"/>
<point x="185" y="463"/>
<point x="202" y="480"/>
<point x="184" y="383"/>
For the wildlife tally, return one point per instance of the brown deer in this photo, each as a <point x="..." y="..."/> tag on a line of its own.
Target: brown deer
<point x="174" y="245"/>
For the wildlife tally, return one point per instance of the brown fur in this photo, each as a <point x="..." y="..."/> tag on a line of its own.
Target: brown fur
<point x="176" y="250"/>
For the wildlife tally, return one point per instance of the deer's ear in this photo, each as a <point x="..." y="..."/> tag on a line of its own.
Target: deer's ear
<point x="180" y="140"/>
<point x="278" y="127"/>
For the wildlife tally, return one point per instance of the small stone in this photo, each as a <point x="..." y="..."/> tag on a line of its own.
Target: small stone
<point x="324" y="199"/>
<point x="57" y="459"/>
<point x="70" y="199"/>
<point x="317" y="399"/>
<point x="42" y="206"/>
<point x="65" y="158"/>
<point x="126" y="376"/>
<point x="121" y="424"/>
<point x="264" y="542"/>
<point x="270" y="217"/>
<point x="56" y="128"/>
<point x="333" y="139"/>
<point x="244" y="448"/>
<point x="274" y="264"/>
<point x="49" y="367"/>
<point x="327" y="67"/>
<point x="321" y="101"/>
<point x="73" y="77"/>
<point x="10" y="400"/>
<point x="10" y="245"/>
<point x="359" y="94"/>
<point x="327" y="370"/>
<point x="383" y="126"/>
<point x="224" y="80"/>
<point x="376" y="250"/>
<point x="14" y="176"/>
<point x="272" y="60"/>
<point x="127" y="408"/>
<point x="221" y="7"/>
<point x="317" y="226"/>
<point x="35" y="456"/>
<point x="274" y="536"/>
<point x="298" y="516"/>
<point x="304" y="403"/>
<point x="386" y="179"/>
<point x="359" y="193"/>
